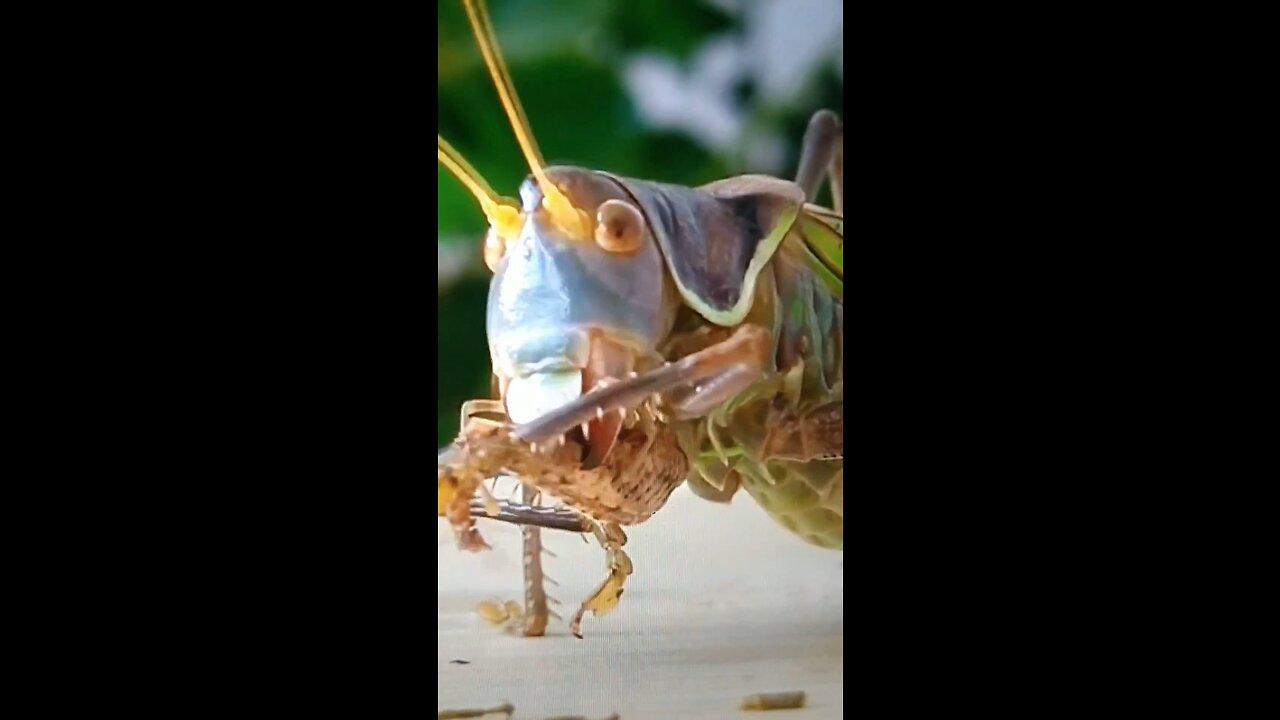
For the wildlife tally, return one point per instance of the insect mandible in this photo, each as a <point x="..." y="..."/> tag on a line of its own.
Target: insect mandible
<point x="644" y="335"/>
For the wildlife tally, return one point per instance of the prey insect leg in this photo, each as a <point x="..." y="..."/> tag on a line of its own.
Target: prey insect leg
<point x="474" y="408"/>
<point x="536" y="611"/>
<point x="530" y="517"/>
<point x="535" y="593"/>
<point x="691" y="385"/>
<point x="550" y="518"/>
<point x="606" y="597"/>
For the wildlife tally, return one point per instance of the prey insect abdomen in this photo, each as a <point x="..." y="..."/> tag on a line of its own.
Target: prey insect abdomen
<point x="634" y="482"/>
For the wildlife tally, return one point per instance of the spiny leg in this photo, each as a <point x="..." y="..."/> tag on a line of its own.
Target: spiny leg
<point x="691" y="386"/>
<point x="611" y="537"/>
<point x="695" y="385"/>
<point x="471" y="411"/>
<point x="837" y="177"/>
<point x="535" y="594"/>
<point x="550" y="518"/>
<point x="742" y="358"/>
<point x="473" y="408"/>
<point x="823" y="151"/>
<point x="533" y="617"/>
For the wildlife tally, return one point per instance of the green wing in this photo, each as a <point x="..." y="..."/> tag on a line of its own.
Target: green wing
<point x="823" y="233"/>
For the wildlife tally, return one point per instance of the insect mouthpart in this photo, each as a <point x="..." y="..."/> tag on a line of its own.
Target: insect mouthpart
<point x="544" y="372"/>
<point x="528" y="398"/>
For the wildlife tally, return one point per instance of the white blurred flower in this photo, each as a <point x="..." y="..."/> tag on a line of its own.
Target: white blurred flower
<point x="700" y="101"/>
<point x="784" y="42"/>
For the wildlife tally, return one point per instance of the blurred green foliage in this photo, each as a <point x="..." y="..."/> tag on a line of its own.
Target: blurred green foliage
<point x="566" y="59"/>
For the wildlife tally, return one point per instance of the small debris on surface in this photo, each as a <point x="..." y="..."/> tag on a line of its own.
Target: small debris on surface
<point x="459" y="662"/>
<point x="774" y="701"/>
<point x="504" y="708"/>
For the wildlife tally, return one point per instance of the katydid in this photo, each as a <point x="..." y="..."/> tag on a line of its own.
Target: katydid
<point x="644" y="335"/>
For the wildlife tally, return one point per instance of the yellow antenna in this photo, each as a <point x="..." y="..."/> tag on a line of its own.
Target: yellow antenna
<point x="503" y="213"/>
<point x="569" y="219"/>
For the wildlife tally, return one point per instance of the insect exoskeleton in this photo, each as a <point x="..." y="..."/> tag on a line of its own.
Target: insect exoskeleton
<point x="643" y="335"/>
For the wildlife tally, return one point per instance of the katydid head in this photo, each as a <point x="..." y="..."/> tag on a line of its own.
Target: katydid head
<point x="568" y="313"/>
<point x="580" y="293"/>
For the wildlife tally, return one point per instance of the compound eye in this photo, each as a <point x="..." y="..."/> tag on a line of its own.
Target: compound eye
<point x="619" y="226"/>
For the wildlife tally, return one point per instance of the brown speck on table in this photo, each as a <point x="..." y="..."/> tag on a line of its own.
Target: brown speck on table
<point x="505" y="708"/>
<point x="774" y="701"/>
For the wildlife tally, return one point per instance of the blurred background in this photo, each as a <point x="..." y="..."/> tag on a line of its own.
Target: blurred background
<point x="679" y="91"/>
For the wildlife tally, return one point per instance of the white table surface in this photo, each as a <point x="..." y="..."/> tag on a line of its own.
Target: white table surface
<point x="724" y="603"/>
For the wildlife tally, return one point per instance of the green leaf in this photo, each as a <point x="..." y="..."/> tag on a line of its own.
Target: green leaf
<point x="677" y="27"/>
<point x="463" y="367"/>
